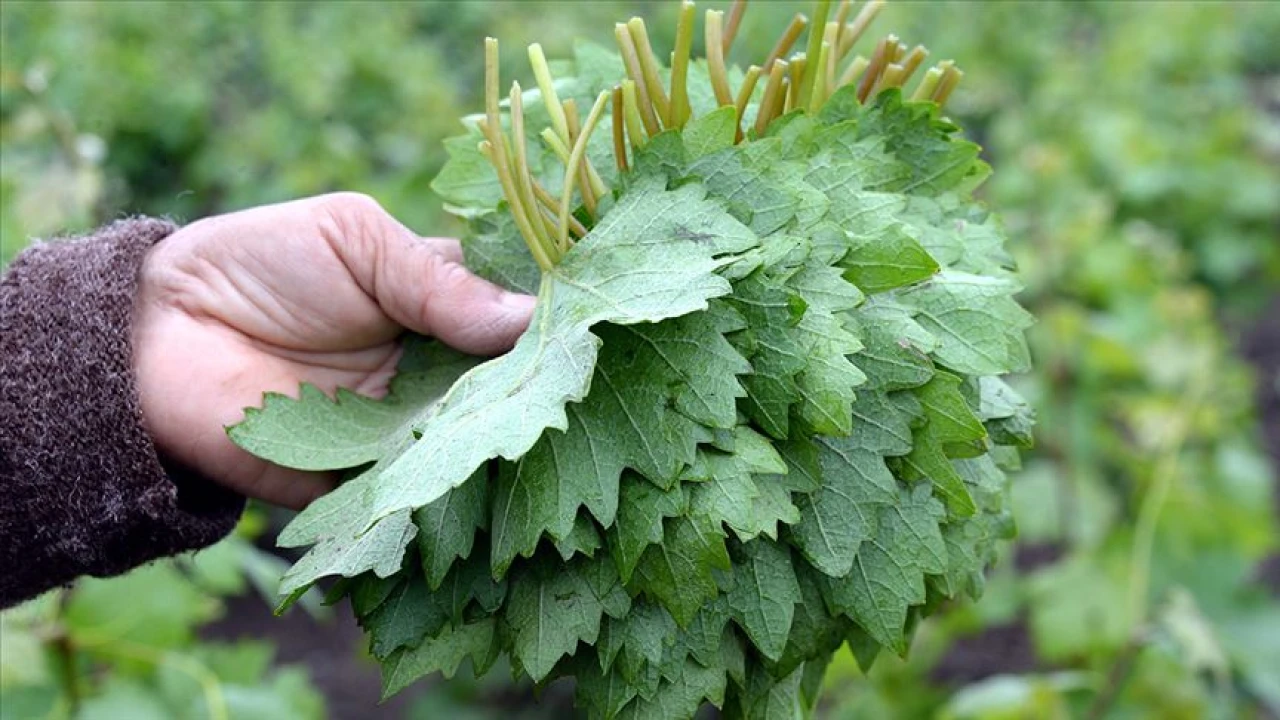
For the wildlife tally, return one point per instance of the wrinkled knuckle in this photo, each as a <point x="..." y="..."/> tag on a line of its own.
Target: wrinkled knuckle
<point x="351" y="204"/>
<point x="453" y="275"/>
<point x="351" y="221"/>
<point x="353" y="214"/>
<point x="447" y="247"/>
<point x="447" y="274"/>
<point x="444" y="278"/>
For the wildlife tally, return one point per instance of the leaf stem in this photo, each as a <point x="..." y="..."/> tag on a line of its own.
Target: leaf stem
<point x="814" y="66"/>
<point x="913" y="62"/>
<point x="892" y="52"/>
<point x="731" y="25"/>
<point x="851" y="73"/>
<point x="928" y="84"/>
<point x="799" y="66"/>
<point x="649" y="66"/>
<point x="874" y="69"/>
<point x="557" y="145"/>
<point x="818" y="92"/>
<point x="579" y="149"/>
<point x="542" y="74"/>
<point x="495" y="148"/>
<point x="552" y="207"/>
<point x="789" y="37"/>
<point x="631" y="113"/>
<point x="830" y="38"/>
<point x="951" y="76"/>
<point x="680" y="65"/>
<point x="632" y="62"/>
<point x="854" y="30"/>
<point x="619" y="131"/>
<point x="842" y="15"/>
<point x="715" y="58"/>
<point x="765" y="113"/>
<point x="891" y="78"/>
<point x="588" y="184"/>
<point x="522" y="220"/>
<point x="523" y="182"/>
<point x="744" y="96"/>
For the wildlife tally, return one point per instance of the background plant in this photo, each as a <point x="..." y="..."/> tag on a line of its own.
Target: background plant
<point x="128" y="646"/>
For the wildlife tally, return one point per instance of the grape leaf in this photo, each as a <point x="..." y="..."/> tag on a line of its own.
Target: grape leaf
<point x="723" y="487"/>
<point x="551" y="608"/>
<point x="764" y="595"/>
<point x="657" y="251"/>
<point x="639" y="524"/>
<point x="409" y="613"/>
<point x="776" y="354"/>
<point x="836" y="518"/>
<point x="977" y="322"/>
<point x="888" y="572"/>
<point x="447" y="526"/>
<point x="441" y="653"/>
<point x="679" y="572"/>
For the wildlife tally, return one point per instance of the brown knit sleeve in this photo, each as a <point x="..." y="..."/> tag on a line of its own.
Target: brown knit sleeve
<point x="82" y="490"/>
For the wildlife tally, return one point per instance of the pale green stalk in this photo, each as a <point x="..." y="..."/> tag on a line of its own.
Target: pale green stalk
<point x="814" y="52"/>
<point x="951" y="76"/>
<point x="523" y="182"/>
<point x="772" y="89"/>
<point x="584" y="169"/>
<point x="579" y="149"/>
<point x="495" y="148"/>
<point x="632" y="62"/>
<point x="928" y="84"/>
<point x="818" y="93"/>
<point x="842" y="14"/>
<point x="851" y="73"/>
<point x="830" y="38"/>
<point x="557" y="145"/>
<point x="542" y="73"/>
<point x="744" y="96"/>
<point x="798" y="66"/>
<point x="631" y="113"/>
<point x="680" y="66"/>
<point x="731" y="25"/>
<point x="715" y="58"/>
<point x="789" y="37"/>
<point x="539" y="253"/>
<point x="854" y="30"/>
<point x="649" y="66"/>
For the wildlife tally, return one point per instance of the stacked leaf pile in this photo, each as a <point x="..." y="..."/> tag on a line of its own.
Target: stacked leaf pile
<point x="757" y="414"/>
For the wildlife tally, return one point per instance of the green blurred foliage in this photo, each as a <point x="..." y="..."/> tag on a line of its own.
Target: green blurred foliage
<point x="1137" y="157"/>
<point x="128" y="647"/>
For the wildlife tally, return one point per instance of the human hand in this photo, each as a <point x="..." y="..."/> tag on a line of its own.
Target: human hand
<point x="316" y="291"/>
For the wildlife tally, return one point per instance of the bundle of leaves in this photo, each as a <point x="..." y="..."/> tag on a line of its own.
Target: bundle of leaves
<point x="757" y="414"/>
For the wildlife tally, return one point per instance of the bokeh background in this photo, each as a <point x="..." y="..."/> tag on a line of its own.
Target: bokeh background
<point x="1137" y="156"/>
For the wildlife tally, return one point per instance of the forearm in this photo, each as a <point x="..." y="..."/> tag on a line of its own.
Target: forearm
<point x="82" y="488"/>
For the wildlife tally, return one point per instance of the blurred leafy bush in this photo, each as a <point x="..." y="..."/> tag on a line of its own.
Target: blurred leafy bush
<point x="127" y="647"/>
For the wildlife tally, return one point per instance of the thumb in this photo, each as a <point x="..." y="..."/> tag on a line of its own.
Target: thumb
<point x="421" y="284"/>
<point x="443" y="299"/>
